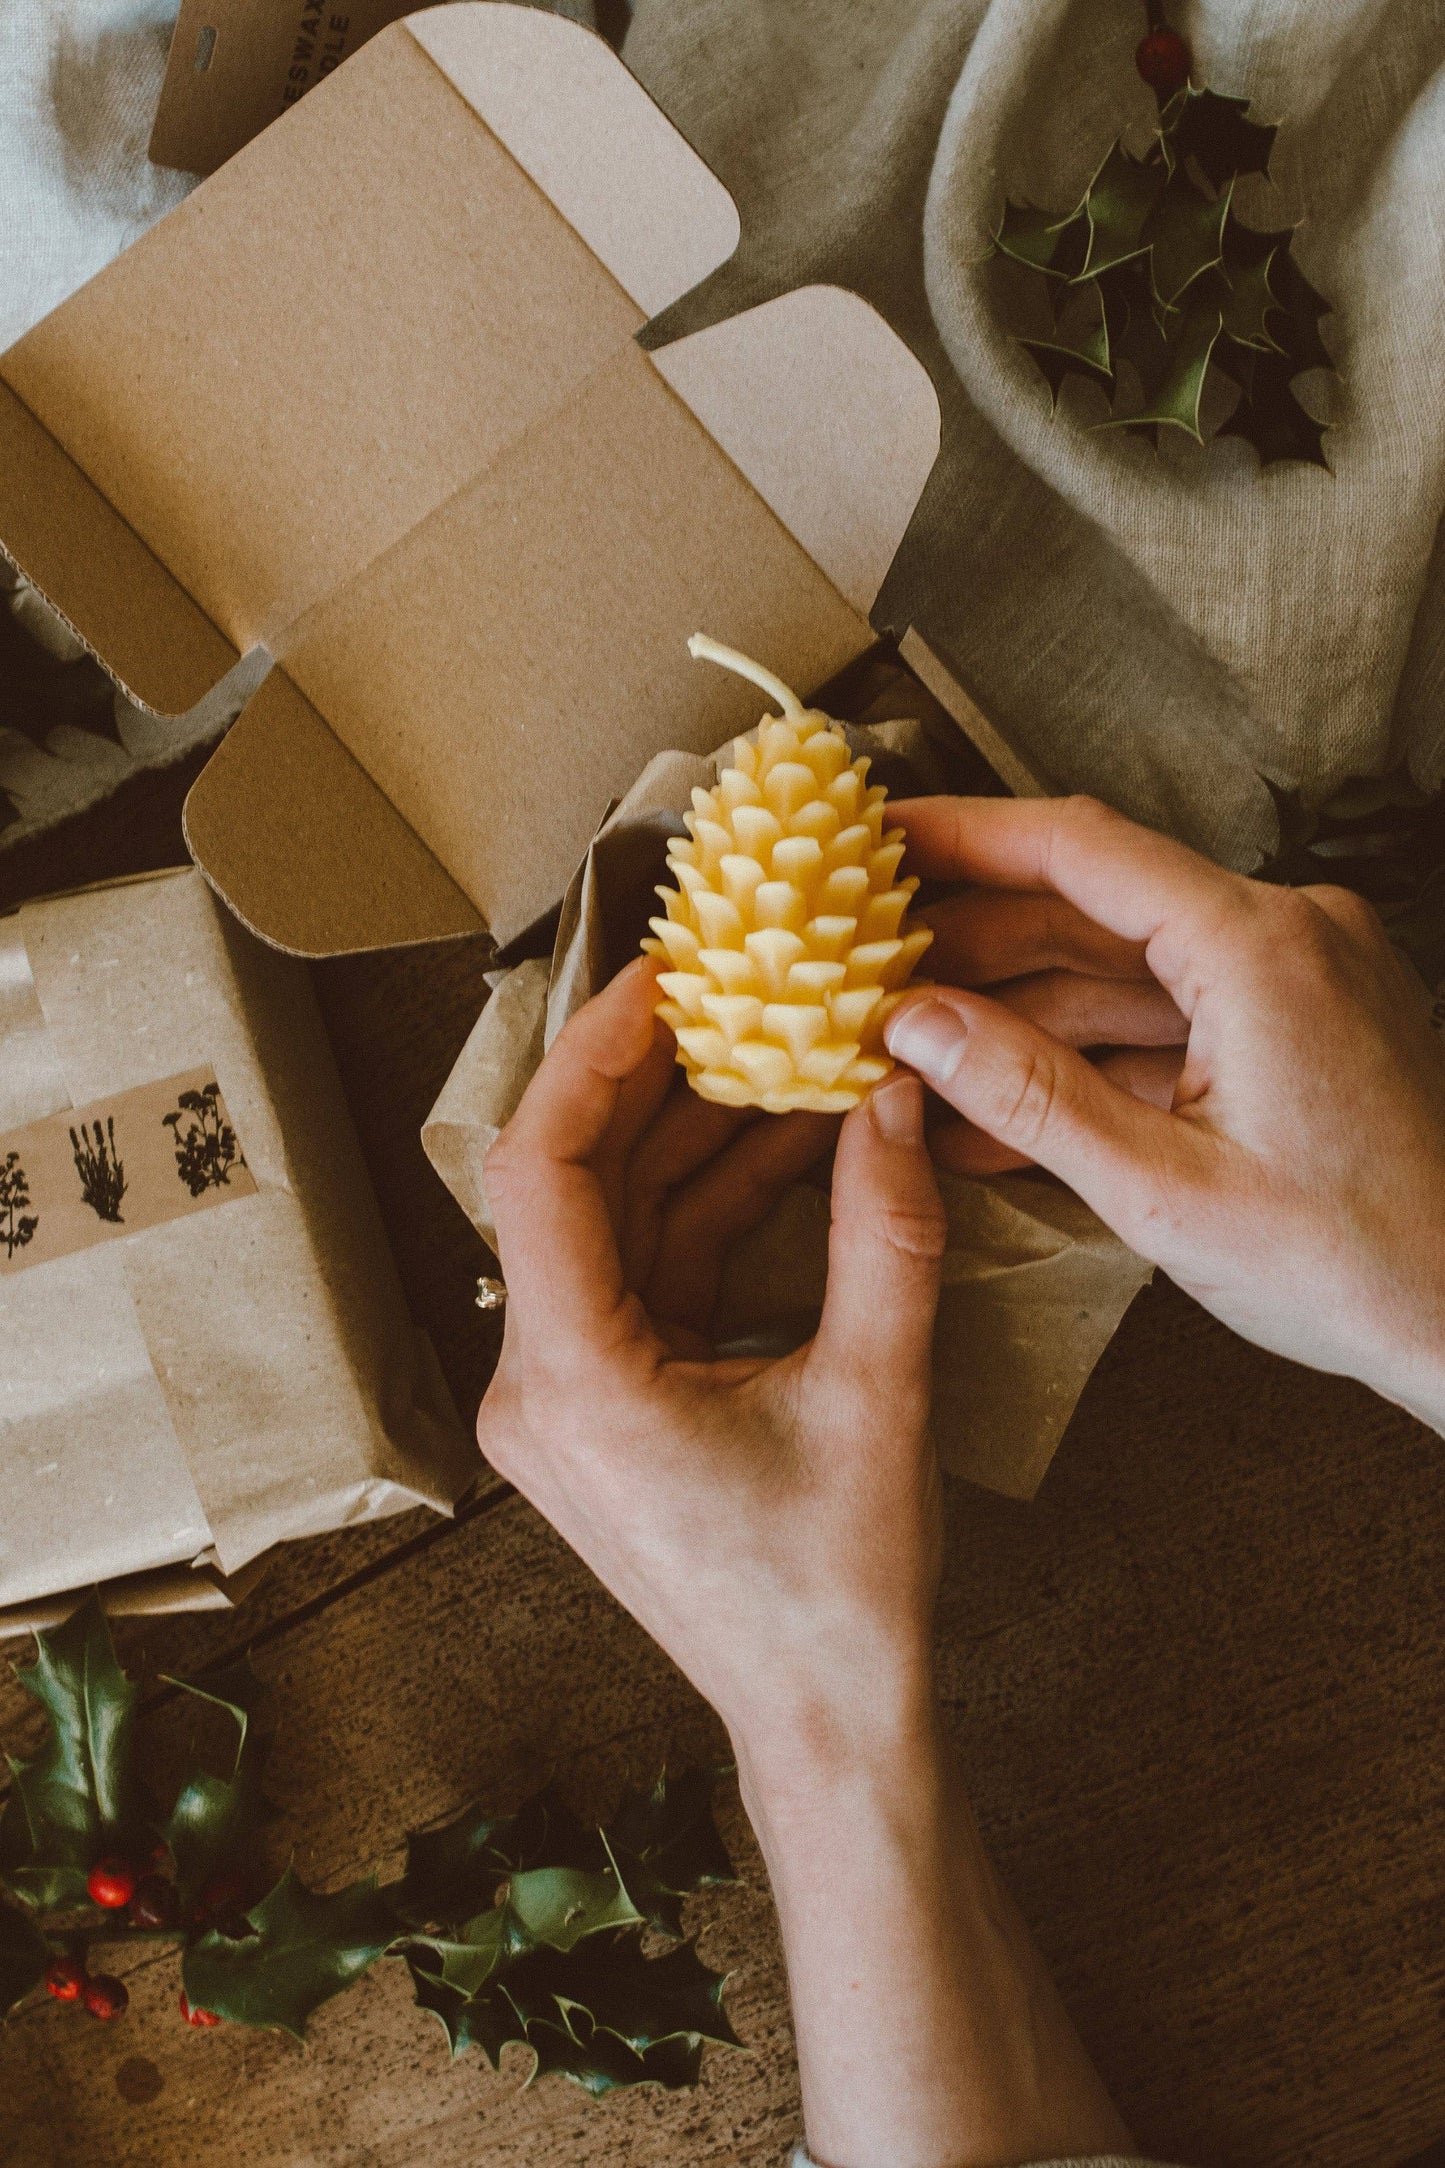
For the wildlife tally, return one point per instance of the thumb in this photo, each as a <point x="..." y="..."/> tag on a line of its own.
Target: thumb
<point x="1041" y="1098"/>
<point x="886" y="1248"/>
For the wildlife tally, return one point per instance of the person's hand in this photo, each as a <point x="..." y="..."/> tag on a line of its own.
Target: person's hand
<point x="1264" y="1112"/>
<point x="774" y="1524"/>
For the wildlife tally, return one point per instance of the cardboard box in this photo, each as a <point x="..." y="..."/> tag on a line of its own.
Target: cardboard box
<point x="204" y="1348"/>
<point x="365" y="422"/>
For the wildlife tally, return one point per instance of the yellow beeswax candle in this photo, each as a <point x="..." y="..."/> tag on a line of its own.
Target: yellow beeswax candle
<point x="786" y="938"/>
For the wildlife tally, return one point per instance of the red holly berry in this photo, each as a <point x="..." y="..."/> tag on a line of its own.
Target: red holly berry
<point x="194" y="2015"/>
<point x="111" y="1883"/>
<point x="104" y="1996"/>
<point x="155" y="1903"/>
<point x="1162" y="58"/>
<point x="66" y="1979"/>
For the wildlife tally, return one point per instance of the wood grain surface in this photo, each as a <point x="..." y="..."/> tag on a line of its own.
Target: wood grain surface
<point x="1195" y="1687"/>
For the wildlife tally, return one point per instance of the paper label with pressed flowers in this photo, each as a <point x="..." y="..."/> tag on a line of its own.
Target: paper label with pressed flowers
<point x="95" y="1173"/>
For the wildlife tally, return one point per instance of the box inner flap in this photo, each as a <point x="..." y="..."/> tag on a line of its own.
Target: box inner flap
<point x="69" y="542"/>
<point x="829" y="415"/>
<point x="592" y="140"/>
<point x="516" y="660"/>
<point x="322" y="863"/>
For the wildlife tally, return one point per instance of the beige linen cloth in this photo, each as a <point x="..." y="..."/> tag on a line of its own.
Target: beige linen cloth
<point x="1154" y="630"/>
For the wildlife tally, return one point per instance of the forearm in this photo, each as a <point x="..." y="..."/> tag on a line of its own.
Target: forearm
<point x="929" y="2034"/>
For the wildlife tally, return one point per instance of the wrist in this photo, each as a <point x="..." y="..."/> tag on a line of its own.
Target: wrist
<point x="814" y="1748"/>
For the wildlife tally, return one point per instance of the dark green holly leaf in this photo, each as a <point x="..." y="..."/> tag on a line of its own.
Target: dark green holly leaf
<point x="76" y="1799"/>
<point x="1185" y="232"/>
<point x="1043" y="240"/>
<point x="215" y="1819"/>
<point x="1268" y="415"/>
<point x="305" y="1949"/>
<point x="1090" y="360"/>
<point x="666" y="1844"/>
<point x="599" y="2062"/>
<point x="646" y="1999"/>
<point x="1121" y="197"/>
<point x="487" y="2020"/>
<point x="1176" y="401"/>
<point x="1214" y="131"/>
<point x="559" y="1905"/>
<point x="1302" y="309"/>
<point x="24" y="1956"/>
<point x="1249" y="301"/>
<point x="454" y="1872"/>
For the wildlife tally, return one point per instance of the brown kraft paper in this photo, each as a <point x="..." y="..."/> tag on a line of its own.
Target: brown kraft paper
<point x="1034" y="1284"/>
<point x="187" y="1393"/>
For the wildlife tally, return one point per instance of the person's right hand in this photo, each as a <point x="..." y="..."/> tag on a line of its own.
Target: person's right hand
<point x="1289" y="1171"/>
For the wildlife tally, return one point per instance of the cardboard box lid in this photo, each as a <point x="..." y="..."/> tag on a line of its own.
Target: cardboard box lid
<point x="371" y="401"/>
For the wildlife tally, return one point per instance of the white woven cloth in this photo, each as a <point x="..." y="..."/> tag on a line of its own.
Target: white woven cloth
<point x="79" y="80"/>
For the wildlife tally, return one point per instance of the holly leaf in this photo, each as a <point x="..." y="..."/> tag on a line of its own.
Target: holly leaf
<point x="1214" y="131"/>
<point x="215" y="1818"/>
<point x="646" y="1999"/>
<point x="1058" y="361"/>
<point x="1268" y="415"/>
<point x="1120" y="199"/>
<point x="1043" y="240"/>
<point x="1175" y="402"/>
<point x="666" y="1844"/>
<point x="455" y="1871"/>
<point x="487" y="2020"/>
<point x="24" y="1958"/>
<point x="305" y="1949"/>
<point x="600" y="2062"/>
<point x="1186" y="236"/>
<point x="75" y="1800"/>
<point x="559" y="1905"/>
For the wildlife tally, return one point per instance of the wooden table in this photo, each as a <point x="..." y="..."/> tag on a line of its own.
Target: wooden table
<point x="1195" y="1687"/>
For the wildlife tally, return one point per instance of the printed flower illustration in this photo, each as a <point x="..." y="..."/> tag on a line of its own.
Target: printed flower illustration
<point x="102" y="1175"/>
<point x="206" y="1144"/>
<point x="17" y="1226"/>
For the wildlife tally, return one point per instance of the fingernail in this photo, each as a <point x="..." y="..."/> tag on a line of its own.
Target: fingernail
<point x="897" y="1106"/>
<point x="929" y="1037"/>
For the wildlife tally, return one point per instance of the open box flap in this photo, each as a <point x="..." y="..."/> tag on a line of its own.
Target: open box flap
<point x="591" y="138"/>
<point x="322" y="863"/>
<point x="828" y="414"/>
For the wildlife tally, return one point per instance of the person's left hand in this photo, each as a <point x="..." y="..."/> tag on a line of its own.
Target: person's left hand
<point x="774" y="1524"/>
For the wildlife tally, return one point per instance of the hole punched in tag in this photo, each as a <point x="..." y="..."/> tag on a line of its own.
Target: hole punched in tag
<point x="205" y="47"/>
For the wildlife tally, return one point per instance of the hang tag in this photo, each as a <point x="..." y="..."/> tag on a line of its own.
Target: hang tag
<point x="96" y="1173"/>
<point x="237" y="65"/>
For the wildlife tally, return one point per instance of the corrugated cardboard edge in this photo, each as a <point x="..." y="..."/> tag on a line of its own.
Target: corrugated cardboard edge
<point x="282" y="758"/>
<point x="934" y="673"/>
<point x="102" y="581"/>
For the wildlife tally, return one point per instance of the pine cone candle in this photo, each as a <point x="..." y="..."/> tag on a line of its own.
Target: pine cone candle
<point x="785" y="935"/>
